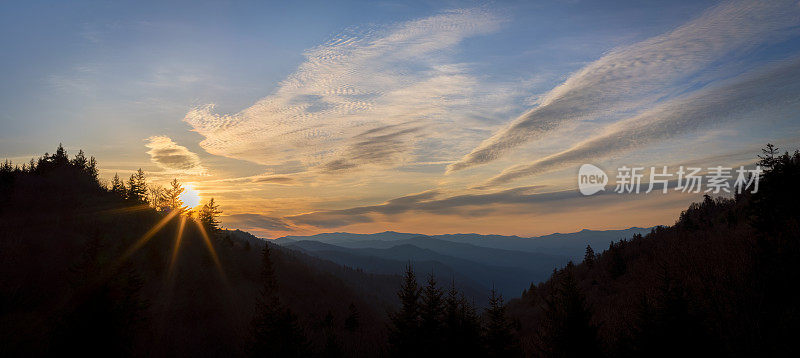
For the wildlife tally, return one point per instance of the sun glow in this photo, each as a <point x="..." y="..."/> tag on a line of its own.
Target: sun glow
<point x="190" y="196"/>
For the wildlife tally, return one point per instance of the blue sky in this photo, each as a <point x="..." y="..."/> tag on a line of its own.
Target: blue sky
<point x="302" y="115"/>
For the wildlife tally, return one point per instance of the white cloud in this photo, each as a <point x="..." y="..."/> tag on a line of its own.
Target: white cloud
<point x="362" y="99"/>
<point x="774" y="93"/>
<point x="635" y="77"/>
<point x="172" y="157"/>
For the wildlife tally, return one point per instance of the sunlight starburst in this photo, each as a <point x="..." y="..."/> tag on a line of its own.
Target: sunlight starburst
<point x="190" y="196"/>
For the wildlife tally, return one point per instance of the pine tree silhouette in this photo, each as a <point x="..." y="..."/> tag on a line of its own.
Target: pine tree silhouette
<point x="665" y="319"/>
<point x="500" y="340"/>
<point x="155" y="197"/>
<point x="431" y="311"/>
<point x="589" y="257"/>
<point x="276" y="332"/>
<point x="332" y="346"/>
<point x="351" y="323"/>
<point x="208" y="215"/>
<point x="404" y="329"/>
<point x="769" y="156"/>
<point x="137" y="187"/>
<point x="118" y="187"/>
<point x="462" y="326"/>
<point x="92" y="171"/>
<point x="567" y="330"/>
<point x="60" y="158"/>
<point x="618" y="265"/>
<point x="172" y="196"/>
<point x="80" y="162"/>
<point x="105" y="308"/>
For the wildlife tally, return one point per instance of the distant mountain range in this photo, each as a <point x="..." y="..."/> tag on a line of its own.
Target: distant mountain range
<point x="473" y="261"/>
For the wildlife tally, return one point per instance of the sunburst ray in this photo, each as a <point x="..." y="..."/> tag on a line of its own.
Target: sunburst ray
<point x="177" y="246"/>
<point x="148" y="235"/>
<point x="210" y="247"/>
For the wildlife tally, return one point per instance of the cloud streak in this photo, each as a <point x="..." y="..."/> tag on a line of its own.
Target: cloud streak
<point x="633" y="77"/>
<point x="172" y="157"/>
<point x="363" y="99"/>
<point x="257" y="222"/>
<point x="274" y="179"/>
<point x="429" y="202"/>
<point x="776" y="89"/>
<point x="521" y="201"/>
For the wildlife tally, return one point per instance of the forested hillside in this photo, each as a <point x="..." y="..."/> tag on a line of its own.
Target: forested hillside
<point x="720" y="282"/>
<point x="119" y="271"/>
<point x="98" y="270"/>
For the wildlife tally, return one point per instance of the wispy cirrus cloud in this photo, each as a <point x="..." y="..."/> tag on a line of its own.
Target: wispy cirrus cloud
<point x="362" y="99"/>
<point x="172" y="157"/>
<point x="520" y="203"/>
<point x="430" y="202"/>
<point x="637" y="76"/>
<point x="259" y="179"/>
<point x="257" y="222"/>
<point x="274" y="179"/>
<point x="776" y="89"/>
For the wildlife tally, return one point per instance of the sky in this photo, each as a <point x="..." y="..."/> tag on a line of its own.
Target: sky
<point x="414" y="116"/>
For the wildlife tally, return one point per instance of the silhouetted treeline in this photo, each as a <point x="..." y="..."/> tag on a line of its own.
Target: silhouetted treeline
<point x="129" y="270"/>
<point x="275" y="328"/>
<point x="722" y="281"/>
<point x="432" y="321"/>
<point x="124" y="270"/>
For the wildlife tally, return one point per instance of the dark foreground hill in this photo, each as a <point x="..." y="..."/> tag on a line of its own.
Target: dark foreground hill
<point x="721" y="282"/>
<point x="84" y="271"/>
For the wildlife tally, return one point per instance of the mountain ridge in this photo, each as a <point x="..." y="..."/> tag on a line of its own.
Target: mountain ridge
<point x="388" y="232"/>
<point x="571" y="245"/>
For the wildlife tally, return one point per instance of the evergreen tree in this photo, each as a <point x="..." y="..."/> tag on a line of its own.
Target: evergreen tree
<point x="769" y="156"/>
<point x="352" y="322"/>
<point x="132" y="188"/>
<point x="156" y="196"/>
<point x="6" y="167"/>
<point x="91" y="170"/>
<point x="462" y="327"/>
<point x="105" y="309"/>
<point x="87" y="167"/>
<point x="60" y="158"/>
<point x="617" y="266"/>
<point x="500" y="340"/>
<point x="47" y="163"/>
<point x="118" y="187"/>
<point x="332" y="347"/>
<point x="208" y="215"/>
<point x="566" y="329"/>
<point x="665" y="319"/>
<point x="172" y="196"/>
<point x="137" y="187"/>
<point x="589" y="257"/>
<point x="431" y="311"/>
<point x="276" y="332"/>
<point x="80" y="162"/>
<point x="404" y="334"/>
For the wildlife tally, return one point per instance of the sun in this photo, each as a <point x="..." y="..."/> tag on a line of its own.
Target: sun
<point x="190" y="196"/>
